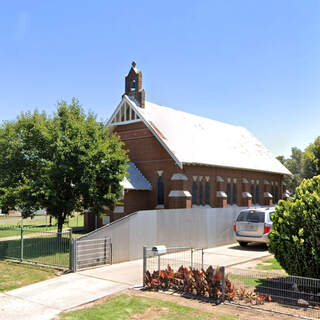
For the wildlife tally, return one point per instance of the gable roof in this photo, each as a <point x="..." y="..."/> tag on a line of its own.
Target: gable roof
<point x="192" y="139"/>
<point x="136" y="180"/>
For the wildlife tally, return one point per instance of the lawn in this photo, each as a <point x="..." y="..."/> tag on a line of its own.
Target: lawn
<point x="244" y="281"/>
<point x="269" y="264"/>
<point x="46" y="248"/>
<point x="11" y="229"/>
<point x="133" y="307"/>
<point x="13" y="275"/>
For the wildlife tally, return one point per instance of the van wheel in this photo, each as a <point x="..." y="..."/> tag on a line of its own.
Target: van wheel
<point x="243" y="244"/>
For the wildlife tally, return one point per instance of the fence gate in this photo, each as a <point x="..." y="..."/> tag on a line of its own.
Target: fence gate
<point x="91" y="253"/>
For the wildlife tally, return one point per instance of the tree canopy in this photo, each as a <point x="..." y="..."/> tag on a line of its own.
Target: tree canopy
<point x="302" y="164"/>
<point x="311" y="161"/>
<point x="294" y="165"/>
<point x="294" y="239"/>
<point x="65" y="162"/>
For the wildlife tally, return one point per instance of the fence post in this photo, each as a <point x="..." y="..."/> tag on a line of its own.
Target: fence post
<point x="74" y="255"/>
<point x="144" y="265"/>
<point x="202" y="256"/>
<point x="70" y="249"/>
<point x="21" y="243"/>
<point x="111" y="252"/>
<point x="191" y="258"/>
<point x="223" y="284"/>
<point x="159" y="265"/>
<point x="105" y="250"/>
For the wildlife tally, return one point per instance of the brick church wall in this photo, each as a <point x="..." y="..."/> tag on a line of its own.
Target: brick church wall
<point x="149" y="156"/>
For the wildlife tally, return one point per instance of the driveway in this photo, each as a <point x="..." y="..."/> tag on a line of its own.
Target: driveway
<point x="45" y="300"/>
<point x="233" y="254"/>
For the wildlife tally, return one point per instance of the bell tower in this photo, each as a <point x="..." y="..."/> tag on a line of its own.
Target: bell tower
<point x="134" y="88"/>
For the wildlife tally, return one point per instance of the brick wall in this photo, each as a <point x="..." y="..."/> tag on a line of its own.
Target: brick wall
<point x="149" y="156"/>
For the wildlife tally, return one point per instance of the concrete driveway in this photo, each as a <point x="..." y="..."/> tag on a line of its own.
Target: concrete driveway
<point x="233" y="254"/>
<point x="45" y="300"/>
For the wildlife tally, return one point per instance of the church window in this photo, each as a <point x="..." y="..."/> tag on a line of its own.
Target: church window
<point x="276" y="194"/>
<point x="253" y="193"/>
<point x="229" y="200"/>
<point x="207" y="193"/>
<point x="234" y="193"/>
<point x="194" y="192"/>
<point x="160" y="198"/>
<point x="257" y="194"/>
<point x="200" y="193"/>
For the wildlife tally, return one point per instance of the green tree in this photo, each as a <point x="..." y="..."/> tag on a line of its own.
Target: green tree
<point x="294" y="239"/>
<point x="294" y="165"/>
<point x="311" y="159"/>
<point x="65" y="163"/>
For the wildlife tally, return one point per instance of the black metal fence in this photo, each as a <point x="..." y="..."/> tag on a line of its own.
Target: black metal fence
<point x="184" y="270"/>
<point x="277" y="292"/>
<point x="43" y="247"/>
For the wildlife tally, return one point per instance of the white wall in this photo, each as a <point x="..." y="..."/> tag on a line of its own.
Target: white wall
<point x="196" y="227"/>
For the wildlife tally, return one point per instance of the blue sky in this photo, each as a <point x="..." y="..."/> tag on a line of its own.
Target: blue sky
<point x="250" y="63"/>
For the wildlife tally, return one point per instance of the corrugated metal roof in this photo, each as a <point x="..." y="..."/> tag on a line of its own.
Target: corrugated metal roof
<point x="197" y="140"/>
<point x="136" y="180"/>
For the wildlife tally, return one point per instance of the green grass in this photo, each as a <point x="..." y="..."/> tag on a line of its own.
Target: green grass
<point x="129" y="307"/>
<point x="13" y="275"/>
<point x="247" y="282"/>
<point x="12" y="229"/>
<point x="46" y="248"/>
<point x="270" y="264"/>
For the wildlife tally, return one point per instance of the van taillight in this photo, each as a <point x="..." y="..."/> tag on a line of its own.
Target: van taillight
<point x="234" y="227"/>
<point x="267" y="228"/>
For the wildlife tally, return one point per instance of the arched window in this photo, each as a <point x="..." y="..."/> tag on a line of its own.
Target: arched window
<point x="207" y="193"/>
<point x="200" y="193"/>
<point x="229" y="200"/>
<point x="272" y="191"/>
<point x="160" y="198"/>
<point x="276" y="194"/>
<point x="234" y="193"/>
<point x="257" y="194"/>
<point x="253" y="193"/>
<point x="194" y="192"/>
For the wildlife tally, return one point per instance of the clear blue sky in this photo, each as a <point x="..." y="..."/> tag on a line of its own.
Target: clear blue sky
<point x="250" y="63"/>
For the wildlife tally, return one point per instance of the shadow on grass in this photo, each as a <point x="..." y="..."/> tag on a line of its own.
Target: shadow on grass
<point x="290" y="290"/>
<point x="285" y="290"/>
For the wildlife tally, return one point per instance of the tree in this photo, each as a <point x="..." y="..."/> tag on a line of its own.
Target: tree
<point x="294" y="239"/>
<point x="65" y="163"/>
<point x="311" y="159"/>
<point x="294" y="165"/>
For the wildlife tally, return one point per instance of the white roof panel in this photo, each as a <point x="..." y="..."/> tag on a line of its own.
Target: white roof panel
<point x="196" y="140"/>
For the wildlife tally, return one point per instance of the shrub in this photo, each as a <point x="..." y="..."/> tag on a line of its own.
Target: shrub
<point x="295" y="238"/>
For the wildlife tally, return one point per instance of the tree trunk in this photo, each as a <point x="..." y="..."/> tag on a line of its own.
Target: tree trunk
<point x="60" y="224"/>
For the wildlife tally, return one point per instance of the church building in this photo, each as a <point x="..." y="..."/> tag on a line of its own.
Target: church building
<point x="181" y="160"/>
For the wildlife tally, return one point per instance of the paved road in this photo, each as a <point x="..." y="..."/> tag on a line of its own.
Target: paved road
<point x="45" y="300"/>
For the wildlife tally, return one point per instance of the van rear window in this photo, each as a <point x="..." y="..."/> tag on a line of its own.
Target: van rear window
<point x="251" y="216"/>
